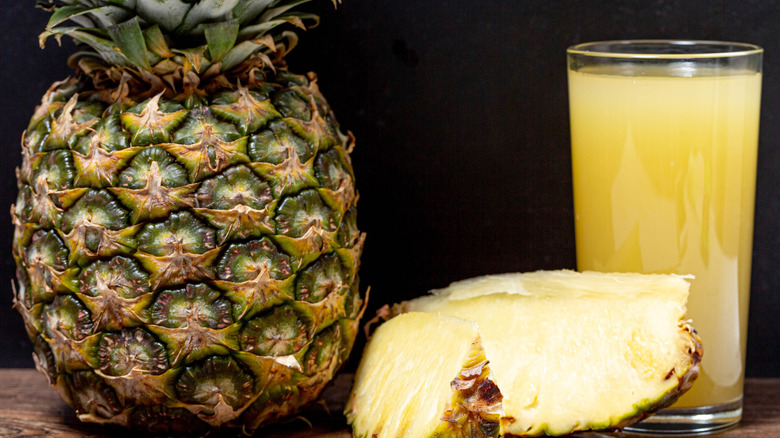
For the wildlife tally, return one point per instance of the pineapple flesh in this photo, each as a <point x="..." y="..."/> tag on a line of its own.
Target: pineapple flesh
<point x="185" y="229"/>
<point x="456" y="398"/>
<point x="568" y="351"/>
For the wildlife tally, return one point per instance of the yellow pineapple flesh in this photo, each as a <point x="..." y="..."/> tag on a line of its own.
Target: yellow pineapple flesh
<point x="425" y="375"/>
<point x="570" y="351"/>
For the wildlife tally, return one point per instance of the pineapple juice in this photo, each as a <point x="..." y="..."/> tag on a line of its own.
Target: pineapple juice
<point x="664" y="175"/>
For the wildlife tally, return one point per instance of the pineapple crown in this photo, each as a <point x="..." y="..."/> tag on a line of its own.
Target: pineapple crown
<point x="158" y="35"/>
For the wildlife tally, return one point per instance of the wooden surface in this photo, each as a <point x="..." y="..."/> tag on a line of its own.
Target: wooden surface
<point x="30" y="408"/>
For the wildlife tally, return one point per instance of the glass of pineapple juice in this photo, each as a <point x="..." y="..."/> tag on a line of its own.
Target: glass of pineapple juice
<point x="664" y="145"/>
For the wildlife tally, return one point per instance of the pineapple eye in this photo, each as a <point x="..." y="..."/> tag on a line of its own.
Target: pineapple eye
<point x="93" y="395"/>
<point x="57" y="169"/>
<point x="293" y="103"/>
<point x="273" y="144"/>
<point x="320" y="279"/>
<point x="237" y="186"/>
<point x="324" y="351"/>
<point x="243" y="261"/>
<point x="202" y="123"/>
<point x="122" y="352"/>
<point x="97" y="207"/>
<point x="152" y="121"/>
<point x="123" y="275"/>
<point x="136" y="174"/>
<point x="297" y="214"/>
<point x="330" y="169"/>
<point x="66" y="315"/>
<point x="107" y="134"/>
<point x="181" y="232"/>
<point x="165" y="420"/>
<point x="213" y="380"/>
<point x="45" y="256"/>
<point x="47" y="248"/>
<point x="277" y="332"/>
<point x="195" y="304"/>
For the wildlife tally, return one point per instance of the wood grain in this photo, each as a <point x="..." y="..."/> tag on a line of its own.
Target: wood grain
<point x="29" y="407"/>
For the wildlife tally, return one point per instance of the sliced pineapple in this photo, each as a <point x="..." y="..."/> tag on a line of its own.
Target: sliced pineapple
<point x="569" y="351"/>
<point x="425" y="375"/>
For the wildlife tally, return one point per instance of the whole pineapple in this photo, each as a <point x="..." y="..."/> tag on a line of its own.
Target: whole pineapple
<point x="185" y="229"/>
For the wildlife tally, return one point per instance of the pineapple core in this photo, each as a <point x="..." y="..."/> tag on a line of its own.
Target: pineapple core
<point x="569" y="351"/>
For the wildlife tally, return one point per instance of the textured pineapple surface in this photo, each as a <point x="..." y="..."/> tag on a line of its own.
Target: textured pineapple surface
<point x="185" y="228"/>
<point x="456" y="396"/>
<point x="187" y="262"/>
<point x="569" y="351"/>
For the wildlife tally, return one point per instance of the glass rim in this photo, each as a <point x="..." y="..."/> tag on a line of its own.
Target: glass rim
<point x="742" y="49"/>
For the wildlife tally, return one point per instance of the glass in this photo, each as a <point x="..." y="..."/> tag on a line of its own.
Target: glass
<point x="664" y="146"/>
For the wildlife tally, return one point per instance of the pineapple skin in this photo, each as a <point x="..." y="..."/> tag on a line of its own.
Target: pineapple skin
<point x="187" y="261"/>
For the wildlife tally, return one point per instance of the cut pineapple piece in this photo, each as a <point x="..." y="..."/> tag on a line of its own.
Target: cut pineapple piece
<point x="424" y="375"/>
<point x="569" y="351"/>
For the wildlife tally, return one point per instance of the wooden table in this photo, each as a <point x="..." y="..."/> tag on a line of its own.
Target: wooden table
<point x="30" y="408"/>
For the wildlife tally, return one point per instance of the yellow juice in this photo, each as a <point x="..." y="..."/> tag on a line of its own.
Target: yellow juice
<point x="664" y="182"/>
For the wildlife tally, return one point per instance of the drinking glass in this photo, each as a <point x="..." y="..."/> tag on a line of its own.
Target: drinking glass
<point x="664" y="146"/>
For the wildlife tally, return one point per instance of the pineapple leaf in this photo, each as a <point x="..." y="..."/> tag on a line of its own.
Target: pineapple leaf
<point x="86" y="16"/>
<point x="294" y="18"/>
<point x="297" y="19"/>
<point x="220" y="38"/>
<point x="259" y="29"/>
<point x="168" y="14"/>
<point x="194" y="57"/>
<point x="142" y="33"/>
<point x="241" y="52"/>
<point x="272" y="13"/>
<point x="246" y="11"/>
<point x="130" y="40"/>
<point x="66" y="13"/>
<point x="102" y="45"/>
<point x="204" y="11"/>
<point x="291" y="40"/>
<point x="155" y="41"/>
<point x="108" y="15"/>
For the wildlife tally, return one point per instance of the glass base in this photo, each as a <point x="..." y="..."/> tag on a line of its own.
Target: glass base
<point x="688" y="421"/>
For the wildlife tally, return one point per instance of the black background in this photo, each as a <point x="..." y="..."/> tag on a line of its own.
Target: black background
<point x="461" y="115"/>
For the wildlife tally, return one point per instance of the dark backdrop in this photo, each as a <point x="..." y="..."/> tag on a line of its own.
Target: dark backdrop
<point x="461" y="115"/>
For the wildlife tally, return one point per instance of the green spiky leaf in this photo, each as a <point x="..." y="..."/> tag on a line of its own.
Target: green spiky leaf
<point x="155" y="42"/>
<point x="143" y="33"/>
<point x="206" y="11"/>
<point x="244" y="12"/>
<point x="241" y="52"/>
<point x="220" y="38"/>
<point x="167" y="14"/>
<point x="130" y="39"/>
<point x="103" y="46"/>
<point x="66" y="13"/>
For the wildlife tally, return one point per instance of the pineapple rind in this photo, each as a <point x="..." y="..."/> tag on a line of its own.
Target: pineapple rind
<point x="462" y="298"/>
<point x="104" y="253"/>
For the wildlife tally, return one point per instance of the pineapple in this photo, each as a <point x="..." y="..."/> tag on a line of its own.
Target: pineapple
<point x="568" y="351"/>
<point x="457" y="397"/>
<point x="185" y="229"/>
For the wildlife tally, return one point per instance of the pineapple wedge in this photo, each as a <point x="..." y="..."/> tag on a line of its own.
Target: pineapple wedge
<point x="439" y="385"/>
<point x="569" y="351"/>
